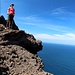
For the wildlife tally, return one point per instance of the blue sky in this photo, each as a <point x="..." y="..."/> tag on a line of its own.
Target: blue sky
<point x="48" y="20"/>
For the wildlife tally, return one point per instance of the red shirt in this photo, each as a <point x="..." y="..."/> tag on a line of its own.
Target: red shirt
<point x="11" y="10"/>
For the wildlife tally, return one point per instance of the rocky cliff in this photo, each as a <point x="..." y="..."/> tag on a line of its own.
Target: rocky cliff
<point x="18" y="52"/>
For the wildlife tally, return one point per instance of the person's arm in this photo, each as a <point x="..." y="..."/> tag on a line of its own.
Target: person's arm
<point x="8" y="11"/>
<point x="14" y="11"/>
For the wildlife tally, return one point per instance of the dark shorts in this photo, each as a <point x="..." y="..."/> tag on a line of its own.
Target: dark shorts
<point x="10" y="17"/>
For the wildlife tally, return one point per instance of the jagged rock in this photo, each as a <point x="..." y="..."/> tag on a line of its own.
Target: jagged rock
<point x="4" y="22"/>
<point x="19" y="37"/>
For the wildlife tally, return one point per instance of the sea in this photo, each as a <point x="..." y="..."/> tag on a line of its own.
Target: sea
<point x="58" y="59"/>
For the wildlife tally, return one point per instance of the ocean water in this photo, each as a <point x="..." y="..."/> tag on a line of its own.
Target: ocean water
<point x="58" y="59"/>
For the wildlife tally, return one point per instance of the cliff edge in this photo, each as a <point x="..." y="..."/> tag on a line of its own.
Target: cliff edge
<point x="18" y="52"/>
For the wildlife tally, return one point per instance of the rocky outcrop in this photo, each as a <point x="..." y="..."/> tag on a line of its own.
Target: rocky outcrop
<point x="4" y="22"/>
<point x="18" y="53"/>
<point x="19" y="37"/>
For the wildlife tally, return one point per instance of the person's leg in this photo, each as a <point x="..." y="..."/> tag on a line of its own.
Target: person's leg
<point x="8" y="21"/>
<point x="12" y="16"/>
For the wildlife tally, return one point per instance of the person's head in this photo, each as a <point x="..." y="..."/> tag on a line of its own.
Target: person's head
<point x="11" y="5"/>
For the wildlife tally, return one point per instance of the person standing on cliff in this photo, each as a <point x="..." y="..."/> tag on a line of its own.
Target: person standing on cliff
<point x="11" y="13"/>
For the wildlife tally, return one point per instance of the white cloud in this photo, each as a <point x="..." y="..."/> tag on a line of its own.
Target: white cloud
<point x="63" y="12"/>
<point x="59" y="10"/>
<point x="57" y="27"/>
<point x="28" y="18"/>
<point x="40" y="23"/>
<point x="68" y="38"/>
<point x="32" y="18"/>
<point x="35" y="21"/>
<point x="71" y="35"/>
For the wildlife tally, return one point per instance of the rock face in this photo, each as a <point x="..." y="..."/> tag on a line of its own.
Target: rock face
<point x="18" y="53"/>
<point x="16" y="60"/>
<point x="19" y="37"/>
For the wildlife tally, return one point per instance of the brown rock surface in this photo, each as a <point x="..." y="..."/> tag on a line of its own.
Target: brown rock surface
<point x="18" y="53"/>
<point x="19" y="37"/>
<point x="16" y="60"/>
